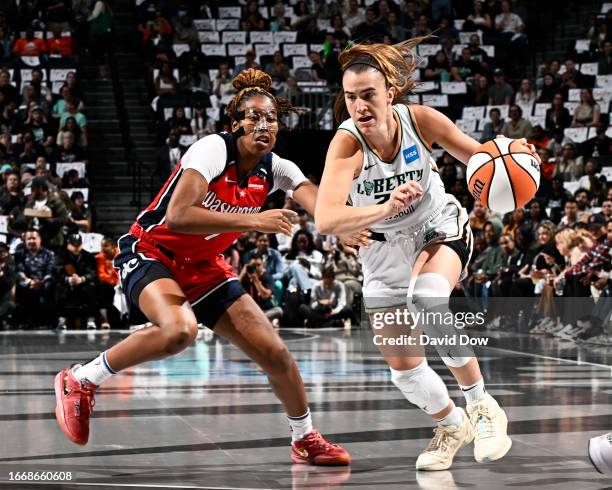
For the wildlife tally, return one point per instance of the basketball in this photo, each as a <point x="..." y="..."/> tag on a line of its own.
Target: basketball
<point x="503" y="174"/>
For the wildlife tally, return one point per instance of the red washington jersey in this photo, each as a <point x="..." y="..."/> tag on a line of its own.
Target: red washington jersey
<point x="214" y="156"/>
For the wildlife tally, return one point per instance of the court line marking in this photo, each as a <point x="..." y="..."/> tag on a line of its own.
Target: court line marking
<point x="127" y="485"/>
<point x="552" y="358"/>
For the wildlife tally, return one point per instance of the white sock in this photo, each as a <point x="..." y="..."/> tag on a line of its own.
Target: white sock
<point x="300" y="426"/>
<point x="96" y="371"/>
<point x="475" y="392"/>
<point x="455" y="417"/>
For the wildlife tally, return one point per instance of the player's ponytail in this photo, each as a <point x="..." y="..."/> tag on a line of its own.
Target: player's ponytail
<point x="395" y="62"/>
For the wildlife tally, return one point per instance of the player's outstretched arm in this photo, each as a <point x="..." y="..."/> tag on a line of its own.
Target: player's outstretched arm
<point x="185" y="214"/>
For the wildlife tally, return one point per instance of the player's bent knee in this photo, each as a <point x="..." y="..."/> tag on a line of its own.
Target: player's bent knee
<point x="422" y="387"/>
<point x="278" y="362"/>
<point x="456" y="362"/>
<point x="178" y="335"/>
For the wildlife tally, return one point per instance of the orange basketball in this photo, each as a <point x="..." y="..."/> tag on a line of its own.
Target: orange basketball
<point x="503" y="174"/>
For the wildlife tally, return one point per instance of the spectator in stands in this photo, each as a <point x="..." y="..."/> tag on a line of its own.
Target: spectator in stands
<point x="538" y="138"/>
<point x="47" y="211"/>
<point x="253" y="17"/>
<point x="8" y="279"/>
<point x="507" y="22"/>
<point x="76" y="272"/>
<point x="465" y="67"/>
<point x="34" y="265"/>
<point x="69" y="151"/>
<point x="569" y="166"/>
<point x="570" y="214"/>
<point x="490" y="262"/>
<point x="71" y="111"/>
<point x="193" y="59"/>
<point x="29" y="150"/>
<point x="598" y="146"/>
<point x="259" y="284"/>
<point x="71" y="179"/>
<point x="158" y="27"/>
<point x="278" y="70"/>
<point x="446" y="30"/>
<point x="108" y="278"/>
<point x="11" y="94"/>
<point x="61" y="45"/>
<point x="421" y="28"/>
<point x="273" y="260"/>
<point x="43" y="169"/>
<point x="165" y="82"/>
<point x="40" y="85"/>
<point x="571" y="78"/>
<point x="337" y="28"/>
<point x="12" y="204"/>
<point x="354" y="15"/>
<point x="604" y="61"/>
<point x="301" y="14"/>
<point x="80" y="215"/>
<point x="328" y="302"/>
<point x="479" y="91"/>
<point x="478" y="54"/>
<point x="41" y="130"/>
<point x="279" y="21"/>
<point x="303" y="246"/>
<point x="479" y="216"/>
<point x="549" y="89"/>
<point x="583" y="200"/>
<point x="5" y="44"/>
<point x="56" y="14"/>
<point x="249" y="63"/>
<point x="517" y="127"/>
<point x="395" y="29"/>
<point x="100" y="35"/>
<point x="30" y="45"/>
<point x="60" y="105"/>
<point x="185" y="31"/>
<point x="555" y="147"/>
<point x="557" y="115"/>
<point x="179" y="121"/>
<point x="70" y="126"/>
<point x="201" y="124"/>
<point x="317" y="70"/>
<point x="478" y="19"/>
<point x="557" y="198"/>
<point x="494" y="126"/>
<point x="500" y="93"/>
<point x="517" y="220"/>
<point x="525" y="96"/>
<point x="310" y="33"/>
<point x="369" y="29"/>
<point x="588" y="112"/>
<point x="222" y="85"/>
<point x="438" y="68"/>
<point x="409" y="15"/>
<point x="348" y="271"/>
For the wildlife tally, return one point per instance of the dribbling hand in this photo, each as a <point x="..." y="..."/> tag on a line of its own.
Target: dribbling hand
<point x="402" y="196"/>
<point x="275" y="221"/>
<point x="532" y="149"/>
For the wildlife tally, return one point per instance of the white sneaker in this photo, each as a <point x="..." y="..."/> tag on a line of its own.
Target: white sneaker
<point x="600" y="453"/>
<point x="91" y="324"/>
<point x="490" y="425"/>
<point x="447" y="440"/>
<point x="564" y="332"/>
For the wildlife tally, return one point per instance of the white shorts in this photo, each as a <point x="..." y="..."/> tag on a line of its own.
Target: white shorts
<point x="387" y="265"/>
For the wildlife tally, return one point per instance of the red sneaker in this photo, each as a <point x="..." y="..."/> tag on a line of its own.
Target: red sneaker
<point x="74" y="405"/>
<point x="315" y="450"/>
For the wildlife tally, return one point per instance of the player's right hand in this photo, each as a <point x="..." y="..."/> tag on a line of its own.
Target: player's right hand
<point x="275" y="221"/>
<point x="402" y="196"/>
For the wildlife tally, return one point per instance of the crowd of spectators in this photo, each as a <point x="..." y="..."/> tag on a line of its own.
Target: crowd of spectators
<point x="47" y="277"/>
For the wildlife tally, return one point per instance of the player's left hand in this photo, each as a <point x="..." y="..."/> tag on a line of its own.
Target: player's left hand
<point x="351" y="242"/>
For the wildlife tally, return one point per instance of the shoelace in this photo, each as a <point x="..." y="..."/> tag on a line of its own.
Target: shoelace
<point x="441" y="437"/>
<point x="483" y="421"/>
<point x="88" y="395"/>
<point x="318" y="441"/>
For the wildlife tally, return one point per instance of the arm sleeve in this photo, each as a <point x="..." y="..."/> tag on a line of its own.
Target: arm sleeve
<point x="287" y="175"/>
<point x="207" y="156"/>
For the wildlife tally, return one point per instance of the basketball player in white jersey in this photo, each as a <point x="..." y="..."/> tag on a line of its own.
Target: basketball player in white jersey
<point x="380" y="163"/>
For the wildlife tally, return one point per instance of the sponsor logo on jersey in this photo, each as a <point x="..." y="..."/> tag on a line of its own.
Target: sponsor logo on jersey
<point x="256" y="186"/>
<point x="214" y="203"/>
<point x="411" y="154"/>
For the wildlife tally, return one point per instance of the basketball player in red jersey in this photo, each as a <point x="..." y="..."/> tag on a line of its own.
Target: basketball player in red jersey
<point x="173" y="273"/>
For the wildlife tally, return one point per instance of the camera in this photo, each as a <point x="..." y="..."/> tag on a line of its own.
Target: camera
<point x="250" y="268"/>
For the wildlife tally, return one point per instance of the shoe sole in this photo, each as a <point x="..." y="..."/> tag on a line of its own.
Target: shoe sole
<point x="299" y="460"/>
<point x="468" y="441"/>
<point x="59" y="410"/>
<point x="498" y="455"/>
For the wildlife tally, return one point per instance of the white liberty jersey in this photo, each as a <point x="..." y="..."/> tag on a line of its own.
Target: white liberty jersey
<point x="378" y="178"/>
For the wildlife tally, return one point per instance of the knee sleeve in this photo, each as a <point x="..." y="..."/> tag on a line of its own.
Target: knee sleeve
<point x="430" y="292"/>
<point x="422" y="387"/>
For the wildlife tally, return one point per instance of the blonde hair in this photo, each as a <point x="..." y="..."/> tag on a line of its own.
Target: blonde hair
<point x="395" y="62"/>
<point x="250" y="83"/>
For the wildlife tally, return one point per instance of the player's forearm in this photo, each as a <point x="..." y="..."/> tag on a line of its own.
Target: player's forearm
<point x="197" y="220"/>
<point x="346" y="220"/>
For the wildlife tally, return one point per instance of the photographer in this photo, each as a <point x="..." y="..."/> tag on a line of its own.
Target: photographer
<point x="7" y="284"/>
<point x="259" y="285"/>
<point x="328" y="304"/>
